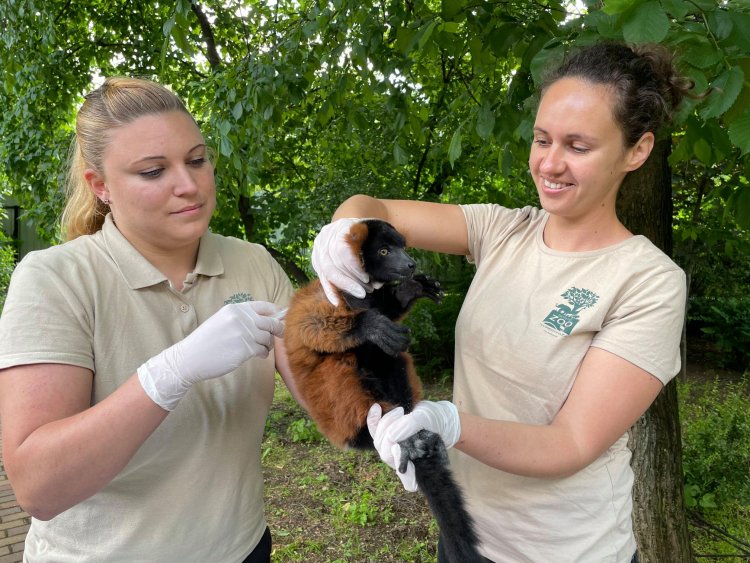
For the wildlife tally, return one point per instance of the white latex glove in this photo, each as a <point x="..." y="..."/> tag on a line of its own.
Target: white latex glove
<point x="335" y="262"/>
<point x="390" y="452"/>
<point x="231" y="336"/>
<point x="440" y="417"/>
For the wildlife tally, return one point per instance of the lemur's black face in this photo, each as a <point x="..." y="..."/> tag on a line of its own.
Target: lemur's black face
<point x="384" y="254"/>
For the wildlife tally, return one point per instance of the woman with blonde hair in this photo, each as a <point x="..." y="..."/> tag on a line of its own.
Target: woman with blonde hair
<point x="137" y="359"/>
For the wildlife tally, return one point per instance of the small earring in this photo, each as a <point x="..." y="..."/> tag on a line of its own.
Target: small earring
<point x="105" y="201"/>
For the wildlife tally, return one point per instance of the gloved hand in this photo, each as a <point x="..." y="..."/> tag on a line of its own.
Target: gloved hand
<point x="378" y="425"/>
<point x="335" y="262"/>
<point x="231" y="336"/>
<point x="440" y="417"/>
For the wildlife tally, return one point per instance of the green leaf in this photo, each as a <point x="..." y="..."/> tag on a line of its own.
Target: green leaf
<point x="739" y="132"/>
<point x="618" y="6"/>
<point x="726" y="89"/>
<point x="400" y="156"/>
<point x="485" y="121"/>
<point x="404" y="39"/>
<point x="739" y="204"/>
<point x="450" y="27"/>
<point x="648" y="24"/>
<point x="454" y="149"/>
<point x="702" y="150"/>
<point x="603" y="25"/>
<point x="678" y="9"/>
<point x="702" y="53"/>
<point x="550" y="55"/>
<point x="225" y="146"/>
<point x="740" y="36"/>
<point x="720" y="23"/>
<point x="425" y="32"/>
<point x="449" y="9"/>
<point x="502" y="38"/>
<point x="237" y="110"/>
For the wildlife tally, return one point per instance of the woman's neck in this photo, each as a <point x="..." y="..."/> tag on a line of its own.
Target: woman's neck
<point x="175" y="264"/>
<point x="581" y="235"/>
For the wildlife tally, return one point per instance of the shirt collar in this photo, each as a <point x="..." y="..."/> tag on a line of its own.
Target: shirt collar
<point x="139" y="272"/>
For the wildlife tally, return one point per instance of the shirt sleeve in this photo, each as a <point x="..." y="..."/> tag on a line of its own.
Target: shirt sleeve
<point x="645" y="325"/>
<point x="44" y="319"/>
<point x="490" y="224"/>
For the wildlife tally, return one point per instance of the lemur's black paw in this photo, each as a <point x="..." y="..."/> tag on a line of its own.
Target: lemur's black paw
<point x="430" y="287"/>
<point x="390" y="337"/>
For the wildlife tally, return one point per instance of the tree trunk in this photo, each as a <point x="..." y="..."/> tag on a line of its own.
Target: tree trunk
<point x="659" y="518"/>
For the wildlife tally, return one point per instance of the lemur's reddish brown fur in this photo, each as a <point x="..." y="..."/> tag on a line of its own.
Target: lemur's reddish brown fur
<point x="320" y="357"/>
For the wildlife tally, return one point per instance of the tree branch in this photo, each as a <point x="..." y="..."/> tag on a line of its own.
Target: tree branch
<point x="212" y="54"/>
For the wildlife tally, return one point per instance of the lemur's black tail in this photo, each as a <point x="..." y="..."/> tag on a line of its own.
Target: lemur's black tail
<point x="435" y="479"/>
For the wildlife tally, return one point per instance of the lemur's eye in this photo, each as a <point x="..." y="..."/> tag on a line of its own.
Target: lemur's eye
<point x="383" y="251"/>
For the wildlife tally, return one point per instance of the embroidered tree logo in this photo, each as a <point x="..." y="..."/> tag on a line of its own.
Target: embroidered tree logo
<point x="580" y="299"/>
<point x="239" y="298"/>
<point x="564" y="317"/>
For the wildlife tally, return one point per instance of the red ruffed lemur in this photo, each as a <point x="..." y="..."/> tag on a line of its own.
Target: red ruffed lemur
<point x="345" y="358"/>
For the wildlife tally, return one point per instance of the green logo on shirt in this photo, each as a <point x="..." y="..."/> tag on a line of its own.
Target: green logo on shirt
<point x="239" y="298"/>
<point x="565" y="317"/>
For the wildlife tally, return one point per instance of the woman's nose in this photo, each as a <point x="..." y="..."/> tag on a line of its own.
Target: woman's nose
<point x="185" y="182"/>
<point x="552" y="161"/>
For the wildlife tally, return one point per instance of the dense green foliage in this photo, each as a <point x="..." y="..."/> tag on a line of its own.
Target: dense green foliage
<point x="725" y="321"/>
<point x="308" y="102"/>
<point x="716" y="443"/>
<point x="7" y="263"/>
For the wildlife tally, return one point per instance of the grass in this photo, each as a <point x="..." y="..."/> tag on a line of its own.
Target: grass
<point x="328" y="505"/>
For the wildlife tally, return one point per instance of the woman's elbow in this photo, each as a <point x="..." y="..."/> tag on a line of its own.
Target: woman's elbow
<point x="36" y="507"/>
<point x="32" y="499"/>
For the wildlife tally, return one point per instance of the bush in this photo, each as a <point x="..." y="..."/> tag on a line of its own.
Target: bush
<point x="433" y="337"/>
<point x="716" y="443"/>
<point x="726" y="323"/>
<point x="7" y="263"/>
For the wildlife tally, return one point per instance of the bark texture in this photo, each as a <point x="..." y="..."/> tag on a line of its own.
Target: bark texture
<point x="659" y="519"/>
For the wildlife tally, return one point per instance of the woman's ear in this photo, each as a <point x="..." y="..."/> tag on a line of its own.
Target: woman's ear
<point x="638" y="153"/>
<point x="96" y="183"/>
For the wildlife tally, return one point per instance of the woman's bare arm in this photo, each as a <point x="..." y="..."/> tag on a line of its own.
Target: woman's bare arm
<point x="59" y="450"/>
<point x="432" y="226"/>
<point x="607" y="398"/>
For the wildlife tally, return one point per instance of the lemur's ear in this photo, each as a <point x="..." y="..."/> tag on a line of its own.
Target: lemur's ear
<point x="357" y="237"/>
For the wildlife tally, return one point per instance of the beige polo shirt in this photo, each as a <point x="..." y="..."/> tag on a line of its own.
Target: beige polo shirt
<point x="193" y="491"/>
<point x="528" y="319"/>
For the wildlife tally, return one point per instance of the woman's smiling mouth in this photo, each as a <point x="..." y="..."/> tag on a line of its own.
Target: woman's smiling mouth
<point x="555" y="186"/>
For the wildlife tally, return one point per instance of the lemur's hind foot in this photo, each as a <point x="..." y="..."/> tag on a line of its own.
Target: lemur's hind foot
<point x="423" y="444"/>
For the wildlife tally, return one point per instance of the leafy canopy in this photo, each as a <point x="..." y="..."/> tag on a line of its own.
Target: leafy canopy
<point x="308" y="102"/>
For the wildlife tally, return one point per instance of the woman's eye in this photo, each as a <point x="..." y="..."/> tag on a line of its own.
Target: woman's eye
<point x="383" y="252"/>
<point x="197" y="162"/>
<point x="155" y="173"/>
<point x="541" y="142"/>
<point x="580" y="149"/>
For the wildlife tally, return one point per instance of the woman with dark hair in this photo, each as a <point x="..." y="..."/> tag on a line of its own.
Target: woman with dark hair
<point x="570" y="328"/>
